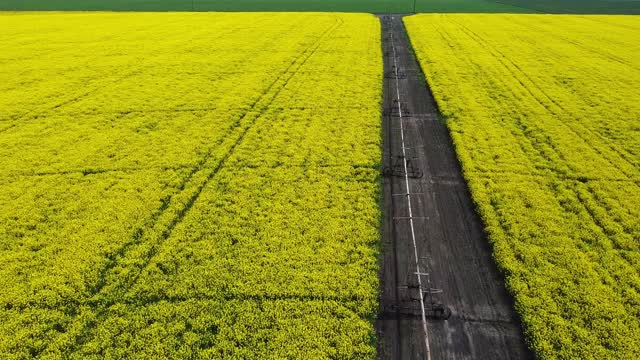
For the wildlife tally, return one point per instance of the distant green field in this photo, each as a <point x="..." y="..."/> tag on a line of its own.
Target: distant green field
<point x="578" y="6"/>
<point x="375" y="6"/>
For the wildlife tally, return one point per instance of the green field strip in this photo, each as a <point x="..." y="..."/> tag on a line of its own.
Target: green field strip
<point x="365" y="6"/>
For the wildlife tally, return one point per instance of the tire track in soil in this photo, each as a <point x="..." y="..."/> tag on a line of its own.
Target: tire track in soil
<point x="100" y="306"/>
<point x="549" y="103"/>
<point x="136" y="68"/>
<point x="289" y="73"/>
<point x="451" y="239"/>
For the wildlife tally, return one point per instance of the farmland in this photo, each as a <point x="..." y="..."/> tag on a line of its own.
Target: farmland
<point x="189" y="185"/>
<point x="372" y="6"/>
<point x="543" y="111"/>
<point x="255" y="5"/>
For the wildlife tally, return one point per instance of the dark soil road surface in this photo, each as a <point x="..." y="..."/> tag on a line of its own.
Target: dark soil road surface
<point x="447" y="240"/>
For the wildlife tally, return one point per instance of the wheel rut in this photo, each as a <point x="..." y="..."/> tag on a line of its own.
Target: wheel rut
<point x="428" y="212"/>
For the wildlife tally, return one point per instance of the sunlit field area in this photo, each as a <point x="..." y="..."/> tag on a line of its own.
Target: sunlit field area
<point x="189" y="185"/>
<point x="268" y="181"/>
<point x="544" y="114"/>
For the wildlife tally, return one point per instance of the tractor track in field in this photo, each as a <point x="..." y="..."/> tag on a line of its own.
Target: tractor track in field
<point x="101" y="304"/>
<point x="269" y="96"/>
<point x="434" y="218"/>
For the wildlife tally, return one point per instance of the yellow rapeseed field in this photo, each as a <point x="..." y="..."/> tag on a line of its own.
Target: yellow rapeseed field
<point x="544" y="112"/>
<point x="189" y="185"/>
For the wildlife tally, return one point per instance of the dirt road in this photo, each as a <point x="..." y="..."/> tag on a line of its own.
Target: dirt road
<point x="432" y="227"/>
